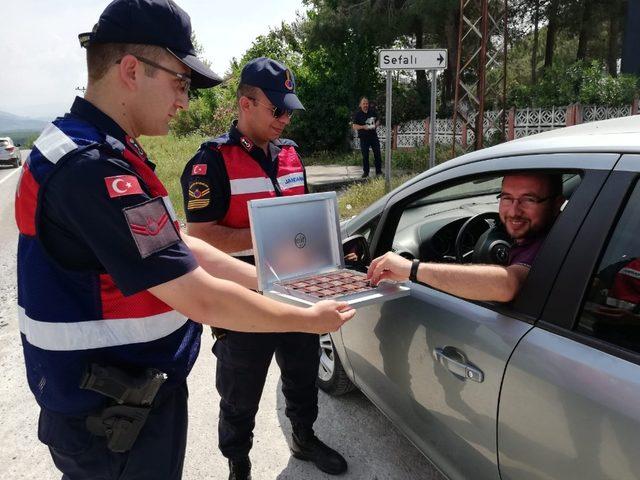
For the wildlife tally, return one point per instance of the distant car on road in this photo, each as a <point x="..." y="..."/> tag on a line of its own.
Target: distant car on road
<point x="546" y="386"/>
<point x="9" y="153"/>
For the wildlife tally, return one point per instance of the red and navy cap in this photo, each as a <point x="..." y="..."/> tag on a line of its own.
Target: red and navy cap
<point x="152" y="22"/>
<point x="275" y="80"/>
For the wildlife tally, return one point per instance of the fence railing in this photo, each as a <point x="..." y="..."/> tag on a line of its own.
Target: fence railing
<point x="519" y="123"/>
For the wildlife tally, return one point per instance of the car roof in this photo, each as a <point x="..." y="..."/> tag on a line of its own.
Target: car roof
<point x="617" y="135"/>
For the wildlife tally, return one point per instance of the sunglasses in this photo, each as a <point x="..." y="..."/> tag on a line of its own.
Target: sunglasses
<point x="185" y="80"/>
<point x="277" y="112"/>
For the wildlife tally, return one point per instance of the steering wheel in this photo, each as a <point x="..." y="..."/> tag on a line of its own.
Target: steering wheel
<point x="492" y="246"/>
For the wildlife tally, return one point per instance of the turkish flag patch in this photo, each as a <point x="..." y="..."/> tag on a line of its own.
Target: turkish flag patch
<point x="121" y="185"/>
<point x="199" y="169"/>
<point x="151" y="226"/>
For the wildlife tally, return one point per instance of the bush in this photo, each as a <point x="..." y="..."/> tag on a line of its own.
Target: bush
<point x="210" y="113"/>
<point x="581" y="81"/>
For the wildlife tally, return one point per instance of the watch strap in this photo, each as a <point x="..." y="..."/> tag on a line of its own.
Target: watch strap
<point x="413" y="273"/>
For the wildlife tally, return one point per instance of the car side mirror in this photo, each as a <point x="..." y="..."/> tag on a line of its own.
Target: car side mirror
<point x="356" y="252"/>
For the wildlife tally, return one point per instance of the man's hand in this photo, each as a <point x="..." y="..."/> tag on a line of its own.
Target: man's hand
<point x="328" y="316"/>
<point x="389" y="266"/>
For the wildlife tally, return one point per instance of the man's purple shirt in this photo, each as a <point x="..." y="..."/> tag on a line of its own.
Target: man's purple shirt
<point x="525" y="252"/>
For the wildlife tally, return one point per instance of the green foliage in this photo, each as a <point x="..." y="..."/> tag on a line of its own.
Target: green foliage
<point x="24" y="138"/>
<point x="585" y="82"/>
<point x="209" y="114"/>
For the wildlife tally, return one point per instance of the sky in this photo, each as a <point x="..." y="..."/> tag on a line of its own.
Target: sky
<point x="43" y="64"/>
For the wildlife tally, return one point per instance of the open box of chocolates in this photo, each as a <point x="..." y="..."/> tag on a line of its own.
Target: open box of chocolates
<point x="339" y="283"/>
<point x="299" y="255"/>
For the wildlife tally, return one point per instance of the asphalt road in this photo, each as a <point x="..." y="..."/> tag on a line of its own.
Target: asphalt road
<point x="371" y="445"/>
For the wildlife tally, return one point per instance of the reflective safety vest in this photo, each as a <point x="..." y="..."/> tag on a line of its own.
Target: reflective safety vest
<point x="625" y="291"/>
<point x="71" y="318"/>
<point x="248" y="181"/>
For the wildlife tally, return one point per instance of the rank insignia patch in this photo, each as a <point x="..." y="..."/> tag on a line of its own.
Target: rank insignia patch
<point x="246" y="143"/>
<point x="151" y="226"/>
<point x="135" y="146"/>
<point x="199" y="195"/>
<point x="199" y="169"/>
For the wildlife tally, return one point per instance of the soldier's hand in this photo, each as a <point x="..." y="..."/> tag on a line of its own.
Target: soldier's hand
<point x="328" y="316"/>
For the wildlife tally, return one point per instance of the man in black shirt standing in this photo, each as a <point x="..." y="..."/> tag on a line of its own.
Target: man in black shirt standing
<point x="365" y="122"/>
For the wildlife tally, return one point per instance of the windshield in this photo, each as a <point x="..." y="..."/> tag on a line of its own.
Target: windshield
<point x="482" y="186"/>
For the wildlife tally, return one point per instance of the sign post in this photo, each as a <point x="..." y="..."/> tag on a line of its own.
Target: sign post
<point x="387" y="143"/>
<point x="428" y="59"/>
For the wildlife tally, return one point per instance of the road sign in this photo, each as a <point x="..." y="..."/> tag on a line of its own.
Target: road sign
<point x="424" y="59"/>
<point x="428" y="59"/>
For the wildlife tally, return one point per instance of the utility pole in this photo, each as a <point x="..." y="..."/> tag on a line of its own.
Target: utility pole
<point x="482" y="46"/>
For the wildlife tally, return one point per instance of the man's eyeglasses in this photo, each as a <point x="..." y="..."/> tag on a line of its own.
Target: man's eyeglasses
<point x="185" y="80"/>
<point x="277" y="112"/>
<point x="526" y="201"/>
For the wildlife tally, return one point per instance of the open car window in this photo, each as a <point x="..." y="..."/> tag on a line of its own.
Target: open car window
<point x="430" y="224"/>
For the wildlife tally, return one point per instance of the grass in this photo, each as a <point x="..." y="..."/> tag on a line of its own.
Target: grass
<point x="171" y="153"/>
<point x="360" y="195"/>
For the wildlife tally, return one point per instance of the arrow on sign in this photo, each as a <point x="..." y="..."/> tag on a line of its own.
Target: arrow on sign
<point x="440" y="59"/>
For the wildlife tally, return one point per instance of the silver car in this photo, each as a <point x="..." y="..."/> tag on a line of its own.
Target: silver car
<point x="9" y="153"/>
<point x="544" y="387"/>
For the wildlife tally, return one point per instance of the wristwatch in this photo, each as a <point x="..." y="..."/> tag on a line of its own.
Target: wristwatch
<point x="413" y="273"/>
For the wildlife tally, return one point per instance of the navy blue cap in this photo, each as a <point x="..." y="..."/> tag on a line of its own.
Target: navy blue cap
<point x="275" y="80"/>
<point x="152" y="22"/>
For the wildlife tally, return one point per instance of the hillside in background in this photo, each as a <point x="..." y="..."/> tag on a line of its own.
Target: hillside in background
<point x="15" y="123"/>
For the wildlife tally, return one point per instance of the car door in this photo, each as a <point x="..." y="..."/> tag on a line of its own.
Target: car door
<point x="448" y="406"/>
<point x="569" y="403"/>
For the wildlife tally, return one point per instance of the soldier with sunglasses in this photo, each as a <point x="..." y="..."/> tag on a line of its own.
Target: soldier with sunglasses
<point x="251" y="161"/>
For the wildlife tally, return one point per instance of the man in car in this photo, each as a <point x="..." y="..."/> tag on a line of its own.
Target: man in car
<point x="528" y="205"/>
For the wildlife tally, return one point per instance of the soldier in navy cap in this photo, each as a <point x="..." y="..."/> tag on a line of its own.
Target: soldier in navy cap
<point x="251" y="161"/>
<point x="106" y="279"/>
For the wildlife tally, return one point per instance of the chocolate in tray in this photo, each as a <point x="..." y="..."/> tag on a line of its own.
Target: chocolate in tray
<point x="343" y="282"/>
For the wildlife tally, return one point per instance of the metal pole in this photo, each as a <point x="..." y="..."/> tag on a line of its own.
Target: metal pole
<point x="432" y="121"/>
<point x="387" y="146"/>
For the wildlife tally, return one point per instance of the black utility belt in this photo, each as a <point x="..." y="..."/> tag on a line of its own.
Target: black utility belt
<point x="133" y="395"/>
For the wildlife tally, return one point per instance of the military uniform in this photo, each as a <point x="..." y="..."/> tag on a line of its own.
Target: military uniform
<point x="217" y="183"/>
<point x="97" y="230"/>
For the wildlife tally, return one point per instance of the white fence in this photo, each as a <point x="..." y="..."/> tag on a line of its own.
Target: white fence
<point x="520" y="123"/>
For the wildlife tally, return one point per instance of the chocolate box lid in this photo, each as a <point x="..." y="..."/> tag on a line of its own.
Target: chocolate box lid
<point x="295" y="236"/>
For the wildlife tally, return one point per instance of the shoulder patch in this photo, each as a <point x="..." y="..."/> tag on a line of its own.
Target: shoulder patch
<point x="151" y="226"/>
<point x="121" y="185"/>
<point x="199" y="194"/>
<point x="199" y="169"/>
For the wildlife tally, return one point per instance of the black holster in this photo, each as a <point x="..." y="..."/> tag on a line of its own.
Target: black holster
<point x="121" y="423"/>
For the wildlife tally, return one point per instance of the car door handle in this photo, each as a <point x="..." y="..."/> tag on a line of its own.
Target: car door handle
<point x="456" y="362"/>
